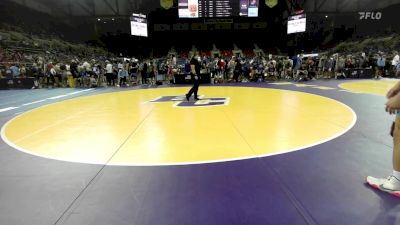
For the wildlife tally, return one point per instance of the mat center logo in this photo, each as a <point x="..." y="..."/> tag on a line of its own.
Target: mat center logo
<point x="180" y="101"/>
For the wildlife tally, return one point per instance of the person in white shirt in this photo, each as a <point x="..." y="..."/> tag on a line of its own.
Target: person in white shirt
<point x="120" y="66"/>
<point x="51" y="72"/>
<point x="87" y="66"/>
<point x="109" y="73"/>
<point x="395" y="62"/>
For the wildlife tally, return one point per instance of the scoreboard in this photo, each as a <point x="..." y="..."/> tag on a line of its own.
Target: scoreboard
<point x="139" y="25"/>
<point x="217" y="8"/>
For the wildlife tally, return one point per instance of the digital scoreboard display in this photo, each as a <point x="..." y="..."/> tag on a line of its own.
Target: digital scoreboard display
<point x="139" y="25"/>
<point x="297" y="24"/>
<point x="217" y="8"/>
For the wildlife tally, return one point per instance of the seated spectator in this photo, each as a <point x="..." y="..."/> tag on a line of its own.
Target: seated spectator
<point x="93" y="81"/>
<point x="22" y="71"/>
<point x="288" y="65"/>
<point x="271" y="68"/>
<point x="9" y="74"/>
<point x="15" y="70"/>
<point x="302" y="73"/>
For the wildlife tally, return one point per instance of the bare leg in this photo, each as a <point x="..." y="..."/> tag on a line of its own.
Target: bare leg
<point x="396" y="145"/>
<point x="391" y="184"/>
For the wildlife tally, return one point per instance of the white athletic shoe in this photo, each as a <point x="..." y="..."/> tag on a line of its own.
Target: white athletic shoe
<point x="390" y="184"/>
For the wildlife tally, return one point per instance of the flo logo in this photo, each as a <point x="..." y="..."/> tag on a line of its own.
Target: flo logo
<point x="180" y="101"/>
<point x="370" y="15"/>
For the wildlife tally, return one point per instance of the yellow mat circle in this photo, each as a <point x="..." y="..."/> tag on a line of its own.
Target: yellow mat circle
<point x="376" y="87"/>
<point x="127" y="128"/>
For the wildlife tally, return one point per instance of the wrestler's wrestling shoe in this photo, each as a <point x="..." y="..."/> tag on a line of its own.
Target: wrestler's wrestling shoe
<point x="390" y="184"/>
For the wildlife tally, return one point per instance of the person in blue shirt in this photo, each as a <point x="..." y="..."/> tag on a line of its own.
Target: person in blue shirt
<point x="296" y="65"/>
<point x="187" y="67"/>
<point x="381" y="66"/>
<point x="397" y="69"/>
<point x="122" y="74"/>
<point x="15" y="70"/>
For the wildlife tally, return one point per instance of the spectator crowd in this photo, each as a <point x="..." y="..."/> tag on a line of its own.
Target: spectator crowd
<point x="66" y="69"/>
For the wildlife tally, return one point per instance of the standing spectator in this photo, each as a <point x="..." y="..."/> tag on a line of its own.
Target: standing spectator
<point x="231" y="67"/>
<point x="109" y="73"/>
<point x="74" y="69"/>
<point x="221" y="68"/>
<point x="397" y="70"/>
<point x="139" y="72"/>
<point x="51" y="72"/>
<point x="237" y="71"/>
<point x="98" y="74"/>
<point x="114" y="76"/>
<point x="88" y="72"/>
<point x="58" y="75"/>
<point x="271" y="67"/>
<point x="152" y="72"/>
<point x="133" y="71"/>
<point x="35" y="74"/>
<point x="395" y="61"/>
<point x="120" y="66"/>
<point x="170" y="73"/>
<point x="321" y="65"/>
<point x="328" y="68"/>
<point x="363" y="61"/>
<point x="144" y="72"/>
<point x="339" y="67"/>
<point x="296" y="65"/>
<point x="279" y="67"/>
<point x="122" y="74"/>
<point x="381" y="66"/>
<point x="246" y="72"/>
<point x="64" y="72"/>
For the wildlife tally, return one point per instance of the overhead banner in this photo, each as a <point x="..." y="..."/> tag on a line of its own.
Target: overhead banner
<point x="271" y="3"/>
<point x="166" y="4"/>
